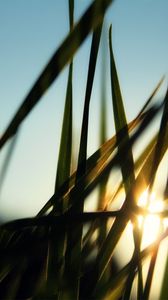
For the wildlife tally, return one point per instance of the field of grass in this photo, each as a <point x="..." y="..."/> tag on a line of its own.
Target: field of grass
<point x="66" y="252"/>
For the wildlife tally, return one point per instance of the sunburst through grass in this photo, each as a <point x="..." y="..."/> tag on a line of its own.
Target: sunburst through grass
<point x="65" y="258"/>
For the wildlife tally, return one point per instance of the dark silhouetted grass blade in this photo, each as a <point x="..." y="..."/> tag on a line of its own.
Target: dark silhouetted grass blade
<point x="56" y="250"/>
<point x="74" y="240"/>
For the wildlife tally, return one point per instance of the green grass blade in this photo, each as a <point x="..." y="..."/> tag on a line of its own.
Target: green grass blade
<point x="89" y="21"/>
<point x="64" y="159"/>
<point x="120" y="122"/>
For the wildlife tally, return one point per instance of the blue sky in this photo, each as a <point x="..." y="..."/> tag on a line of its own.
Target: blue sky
<point x="30" y="32"/>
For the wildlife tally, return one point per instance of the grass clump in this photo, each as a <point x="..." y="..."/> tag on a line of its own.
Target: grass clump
<point x="65" y="252"/>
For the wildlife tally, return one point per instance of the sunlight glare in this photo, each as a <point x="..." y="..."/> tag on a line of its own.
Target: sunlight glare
<point x="151" y="223"/>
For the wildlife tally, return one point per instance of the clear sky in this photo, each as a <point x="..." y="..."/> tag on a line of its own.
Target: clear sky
<point x="30" y="32"/>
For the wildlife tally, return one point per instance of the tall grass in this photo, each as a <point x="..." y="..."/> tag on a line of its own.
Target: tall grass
<point x="65" y="252"/>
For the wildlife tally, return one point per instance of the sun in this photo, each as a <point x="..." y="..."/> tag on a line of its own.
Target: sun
<point x="150" y="224"/>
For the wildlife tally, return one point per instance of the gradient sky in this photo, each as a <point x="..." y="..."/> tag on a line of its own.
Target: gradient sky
<point x="30" y="32"/>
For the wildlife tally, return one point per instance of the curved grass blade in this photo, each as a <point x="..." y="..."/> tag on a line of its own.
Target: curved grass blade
<point x="89" y="21"/>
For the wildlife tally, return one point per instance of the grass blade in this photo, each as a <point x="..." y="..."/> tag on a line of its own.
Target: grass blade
<point x="103" y="133"/>
<point x="64" y="159"/>
<point x="148" y="283"/>
<point x="56" y="248"/>
<point x="74" y="240"/>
